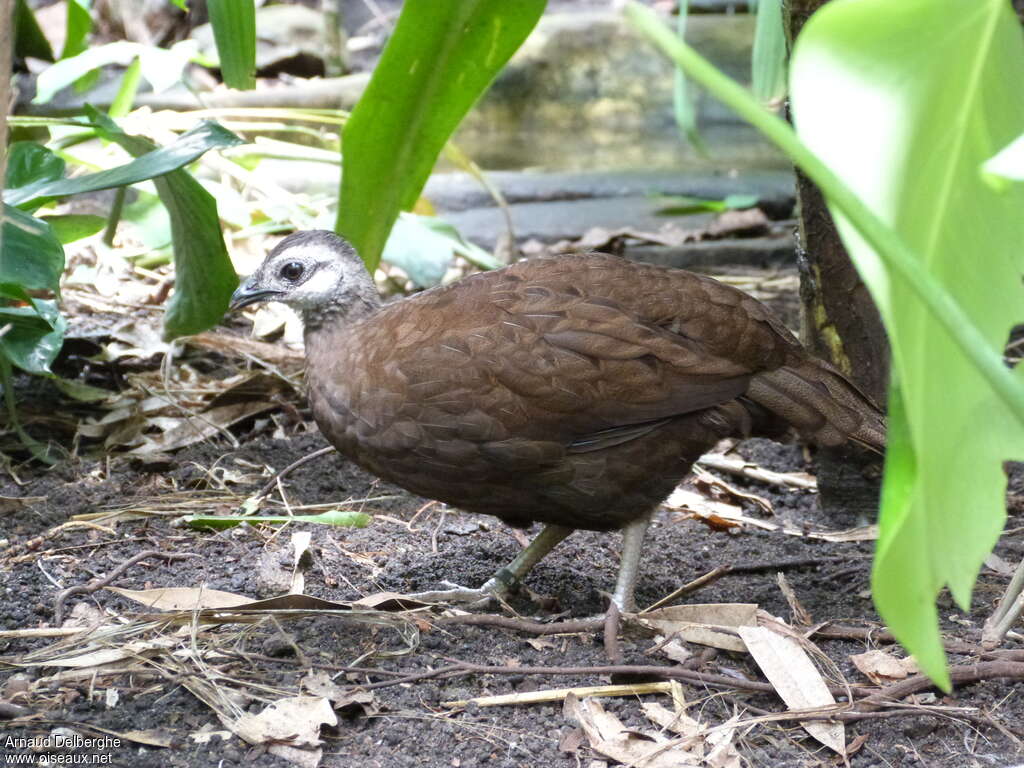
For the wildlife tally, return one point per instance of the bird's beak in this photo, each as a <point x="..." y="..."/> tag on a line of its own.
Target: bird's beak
<point x="247" y="294"/>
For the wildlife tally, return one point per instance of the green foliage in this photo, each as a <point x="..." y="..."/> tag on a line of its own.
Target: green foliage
<point x="77" y="28"/>
<point x="682" y="205"/>
<point x="684" y="97"/>
<point x="768" y="62"/>
<point x="31" y="256"/>
<point x="35" y="336"/>
<point x="204" y="278"/>
<point x="28" y="162"/>
<point x="154" y="162"/>
<point x="234" y="30"/>
<point x="909" y="127"/>
<point x="162" y="68"/>
<point x="29" y="39"/>
<point x="125" y="98"/>
<point x="69" y="227"/>
<point x="440" y="59"/>
<point x="422" y="247"/>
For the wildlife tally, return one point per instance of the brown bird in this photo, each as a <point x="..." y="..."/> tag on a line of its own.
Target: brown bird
<point x="574" y="390"/>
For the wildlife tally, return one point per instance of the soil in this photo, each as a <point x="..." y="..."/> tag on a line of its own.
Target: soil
<point x="406" y="548"/>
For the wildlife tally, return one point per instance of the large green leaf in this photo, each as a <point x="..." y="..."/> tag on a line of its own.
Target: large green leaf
<point x="69" y="227"/>
<point x="440" y="59"/>
<point x="906" y="101"/>
<point x="203" y="275"/>
<point x="31" y="256"/>
<point x="234" y="31"/>
<point x="186" y="148"/>
<point x="768" y="60"/>
<point x="29" y="39"/>
<point x="161" y="67"/>
<point x="34" y="335"/>
<point x="29" y="162"/>
<point x="77" y="28"/>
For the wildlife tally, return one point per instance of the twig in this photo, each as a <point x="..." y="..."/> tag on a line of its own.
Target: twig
<point x="714" y="575"/>
<point x="524" y="625"/>
<point x="271" y="484"/>
<point x="103" y="581"/>
<point x="754" y="472"/>
<point x="960" y="674"/>
<point x="691" y="586"/>
<point x="633" y="670"/>
<point x="879" y="635"/>
<point x="1007" y="611"/>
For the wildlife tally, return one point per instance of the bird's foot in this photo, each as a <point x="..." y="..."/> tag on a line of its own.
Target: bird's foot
<point x="495" y="589"/>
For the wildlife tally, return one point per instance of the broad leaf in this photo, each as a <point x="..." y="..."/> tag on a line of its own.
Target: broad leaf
<point x="234" y="31"/>
<point x="161" y="67"/>
<point x="684" y="95"/>
<point x="69" y="227"/>
<point x="203" y="275"/>
<point x="34" y="336"/>
<point x="77" y="29"/>
<point x="186" y="148"/>
<point x="906" y="101"/>
<point x="125" y="98"/>
<point x="422" y="246"/>
<point x="31" y="256"/>
<point x="768" y="60"/>
<point x="29" y="39"/>
<point x="28" y="162"/>
<point x="439" y="60"/>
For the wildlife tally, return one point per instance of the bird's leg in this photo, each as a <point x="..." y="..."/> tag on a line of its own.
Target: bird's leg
<point x="502" y="581"/>
<point x="632" y="545"/>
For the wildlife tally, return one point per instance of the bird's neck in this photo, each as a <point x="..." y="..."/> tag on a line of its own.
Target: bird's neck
<point x="327" y="320"/>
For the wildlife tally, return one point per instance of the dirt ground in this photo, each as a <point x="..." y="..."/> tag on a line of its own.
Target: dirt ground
<point x="406" y="548"/>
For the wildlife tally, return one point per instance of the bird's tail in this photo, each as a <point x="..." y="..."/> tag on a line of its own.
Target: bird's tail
<point x="820" y="403"/>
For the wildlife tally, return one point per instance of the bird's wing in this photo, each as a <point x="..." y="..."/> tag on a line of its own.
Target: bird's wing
<point x="589" y="356"/>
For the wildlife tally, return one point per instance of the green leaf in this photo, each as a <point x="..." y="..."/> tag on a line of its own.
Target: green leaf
<point x="944" y="312"/>
<point x="38" y="450"/>
<point x="125" y="97"/>
<point x="29" y="162"/>
<point x="203" y="275"/>
<point x="70" y="227"/>
<point x="31" y="256"/>
<point x="234" y="31"/>
<point x="439" y="60"/>
<point x="683" y="205"/>
<point x="330" y="517"/>
<point x="684" y="96"/>
<point x="162" y="68"/>
<point x="77" y="28"/>
<point x="908" y="127"/>
<point x="29" y="39"/>
<point x="186" y="148"/>
<point x="35" y="336"/>
<point x="422" y="246"/>
<point x="768" y="62"/>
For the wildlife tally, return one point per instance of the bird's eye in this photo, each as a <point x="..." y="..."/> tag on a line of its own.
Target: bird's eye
<point x="291" y="271"/>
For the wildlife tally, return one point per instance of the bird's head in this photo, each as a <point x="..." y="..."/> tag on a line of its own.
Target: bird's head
<point x="316" y="273"/>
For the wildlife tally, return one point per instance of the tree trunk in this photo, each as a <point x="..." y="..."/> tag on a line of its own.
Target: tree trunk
<point x="841" y="324"/>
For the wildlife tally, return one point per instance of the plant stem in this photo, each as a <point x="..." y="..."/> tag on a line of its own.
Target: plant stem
<point x="885" y="241"/>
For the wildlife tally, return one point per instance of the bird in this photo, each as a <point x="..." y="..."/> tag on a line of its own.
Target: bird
<point x="574" y="390"/>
